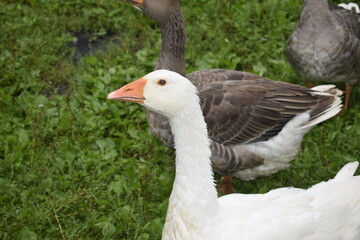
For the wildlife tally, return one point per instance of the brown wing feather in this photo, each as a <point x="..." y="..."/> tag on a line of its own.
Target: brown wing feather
<point x="204" y="77"/>
<point x="252" y="110"/>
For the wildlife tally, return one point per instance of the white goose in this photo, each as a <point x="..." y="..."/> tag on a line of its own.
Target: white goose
<point x="327" y="211"/>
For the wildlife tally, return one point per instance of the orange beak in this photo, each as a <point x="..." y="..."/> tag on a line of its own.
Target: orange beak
<point x="136" y="3"/>
<point x="132" y="92"/>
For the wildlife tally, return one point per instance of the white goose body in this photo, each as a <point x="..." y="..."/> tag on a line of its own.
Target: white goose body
<point x="327" y="211"/>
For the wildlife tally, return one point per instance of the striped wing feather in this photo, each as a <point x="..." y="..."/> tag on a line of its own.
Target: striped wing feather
<point x="245" y="111"/>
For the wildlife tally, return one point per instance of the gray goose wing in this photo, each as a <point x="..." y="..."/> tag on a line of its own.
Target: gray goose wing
<point x="204" y="77"/>
<point x="246" y="111"/>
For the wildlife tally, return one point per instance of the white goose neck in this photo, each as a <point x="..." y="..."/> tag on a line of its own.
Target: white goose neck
<point x="192" y="146"/>
<point x="193" y="200"/>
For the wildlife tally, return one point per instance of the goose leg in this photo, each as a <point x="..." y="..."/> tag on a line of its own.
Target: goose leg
<point x="226" y="187"/>
<point x="229" y="188"/>
<point x="310" y="85"/>
<point x="348" y="90"/>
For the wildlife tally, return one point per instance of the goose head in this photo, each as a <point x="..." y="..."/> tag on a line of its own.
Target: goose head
<point x="162" y="91"/>
<point x="156" y="9"/>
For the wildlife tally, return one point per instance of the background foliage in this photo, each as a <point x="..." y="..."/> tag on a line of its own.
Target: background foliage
<point x="75" y="166"/>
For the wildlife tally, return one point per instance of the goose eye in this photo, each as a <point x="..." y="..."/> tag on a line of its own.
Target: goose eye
<point x="162" y="82"/>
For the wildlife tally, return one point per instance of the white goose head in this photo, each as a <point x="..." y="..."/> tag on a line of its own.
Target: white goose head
<point x="163" y="91"/>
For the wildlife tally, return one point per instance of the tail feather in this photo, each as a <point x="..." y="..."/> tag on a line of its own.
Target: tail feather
<point x="323" y="88"/>
<point x="347" y="171"/>
<point x="350" y="6"/>
<point x="325" y="110"/>
<point x="328" y="90"/>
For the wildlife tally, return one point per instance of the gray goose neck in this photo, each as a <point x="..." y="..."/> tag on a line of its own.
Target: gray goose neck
<point x="173" y="43"/>
<point x="316" y="9"/>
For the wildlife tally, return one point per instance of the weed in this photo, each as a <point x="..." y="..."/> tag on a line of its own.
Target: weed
<point x="75" y="166"/>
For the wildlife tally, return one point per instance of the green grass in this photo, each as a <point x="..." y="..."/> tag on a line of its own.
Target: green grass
<point x="75" y="166"/>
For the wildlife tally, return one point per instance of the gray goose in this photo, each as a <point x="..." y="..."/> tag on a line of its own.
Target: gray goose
<point x="256" y="125"/>
<point x="325" y="45"/>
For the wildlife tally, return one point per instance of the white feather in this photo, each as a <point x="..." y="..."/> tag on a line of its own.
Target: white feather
<point x="350" y="6"/>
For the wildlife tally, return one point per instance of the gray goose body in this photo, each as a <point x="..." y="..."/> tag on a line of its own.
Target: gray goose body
<point x="325" y="45"/>
<point x="243" y="111"/>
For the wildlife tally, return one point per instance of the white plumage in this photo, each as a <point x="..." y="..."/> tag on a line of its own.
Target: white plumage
<point x="327" y="211"/>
